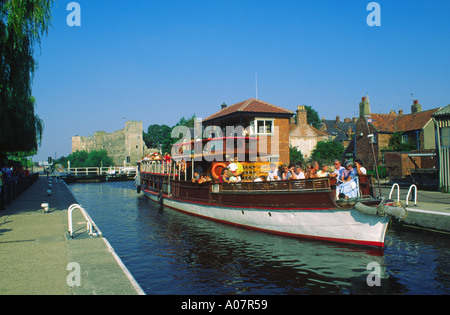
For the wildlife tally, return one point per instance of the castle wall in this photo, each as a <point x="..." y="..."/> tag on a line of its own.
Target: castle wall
<point x="119" y="144"/>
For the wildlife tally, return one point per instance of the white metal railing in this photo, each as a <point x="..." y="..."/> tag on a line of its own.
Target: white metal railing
<point x="407" y="196"/>
<point x="90" y="224"/>
<point x="113" y="170"/>
<point x="415" y="194"/>
<point x="398" y="192"/>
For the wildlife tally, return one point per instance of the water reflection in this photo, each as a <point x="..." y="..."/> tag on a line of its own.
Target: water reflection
<point x="169" y="252"/>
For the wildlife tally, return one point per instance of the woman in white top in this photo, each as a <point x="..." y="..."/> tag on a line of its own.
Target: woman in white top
<point x="360" y="168"/>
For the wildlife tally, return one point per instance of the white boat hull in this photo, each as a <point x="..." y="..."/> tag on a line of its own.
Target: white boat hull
<point x="345" y="226"/>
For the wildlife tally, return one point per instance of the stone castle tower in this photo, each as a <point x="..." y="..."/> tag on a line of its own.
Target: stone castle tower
<point x="123" y="146"/>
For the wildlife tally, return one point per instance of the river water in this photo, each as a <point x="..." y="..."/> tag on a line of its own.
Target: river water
<point x="169" y="252"/>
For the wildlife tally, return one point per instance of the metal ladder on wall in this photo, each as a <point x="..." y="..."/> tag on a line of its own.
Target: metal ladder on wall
<point x="407" y="196"/>
<point x="90" y="224"/>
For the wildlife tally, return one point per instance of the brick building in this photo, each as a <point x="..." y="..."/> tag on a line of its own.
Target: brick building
<point x="270" y="123"/>
<point x="417" y="126"/>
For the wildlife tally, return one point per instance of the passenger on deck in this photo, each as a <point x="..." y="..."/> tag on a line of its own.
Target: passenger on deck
<point x="232" y="178"/>
<point x="360" y="169"/>
<point x="349" y="186"/>
<point x="240" y="168"/>
<point x="299" y="173"/>
<point x="312" y="171"/>
<point x="273" y="173"/>
<point x="337" y="170"/>
<point x="324" y="171"/>
<point x="196" y="177"/>
<point x="284" y="170"/>
<point x="223" y="178"/>
<point x="291" y="173"/>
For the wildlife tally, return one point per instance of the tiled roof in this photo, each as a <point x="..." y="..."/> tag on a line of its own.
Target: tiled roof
<point x="251" y="105"/>
<point x="394" y="122"/>
<point x="442" y="112"/>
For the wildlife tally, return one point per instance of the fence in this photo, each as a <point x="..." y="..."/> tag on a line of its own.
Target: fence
<point x="14" y="186"/>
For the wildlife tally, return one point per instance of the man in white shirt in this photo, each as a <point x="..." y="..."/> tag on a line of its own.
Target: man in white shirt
<point x="273" y="173"/>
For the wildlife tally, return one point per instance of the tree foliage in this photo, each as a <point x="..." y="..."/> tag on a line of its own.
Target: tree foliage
<point x="86" y="159"/>
<point x="162" y="134"/>
<point x="296" y="156"/>
<point x="327" y="151"/>
<point x="312" y="117"/>
<point x="397" y="142"/>
<point x="22" y="23"/>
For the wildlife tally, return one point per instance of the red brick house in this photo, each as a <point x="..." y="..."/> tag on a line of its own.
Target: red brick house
<point x="418" y="126"/>
<point x="266" y="121"/>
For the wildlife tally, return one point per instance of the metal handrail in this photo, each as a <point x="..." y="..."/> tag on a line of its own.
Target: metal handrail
<point x="415" y="194"/>
<point x="398" y="192"/>
<point x="90" y="224"/>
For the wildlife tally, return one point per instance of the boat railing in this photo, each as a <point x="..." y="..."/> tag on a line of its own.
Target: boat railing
<point x="317" y="184"/>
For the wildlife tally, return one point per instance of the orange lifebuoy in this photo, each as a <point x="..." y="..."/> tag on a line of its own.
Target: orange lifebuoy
<point x="217" y="169"/>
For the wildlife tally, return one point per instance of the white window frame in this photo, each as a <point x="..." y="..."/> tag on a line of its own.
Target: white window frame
<point x="254" y="126"/>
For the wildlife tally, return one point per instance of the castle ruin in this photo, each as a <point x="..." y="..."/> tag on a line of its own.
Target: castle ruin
<point x="124" y="146"/>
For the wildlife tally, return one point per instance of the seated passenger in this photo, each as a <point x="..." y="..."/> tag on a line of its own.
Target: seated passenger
<point x="349" y="186"/>
<point x="291" y="173"/>
<point x="273" y="173"/>
<point x="299" y="173"/>
<point x="324" y="171"/>
<point x="232" y="178"/>
<point x="196" y="177"/>
<point x="284" y="170"/>
<point x="360" y="169"/>
<point x="223" y="178"/>
<point x="312" y="171"/>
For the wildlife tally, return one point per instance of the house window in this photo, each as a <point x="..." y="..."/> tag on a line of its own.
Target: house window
<point x="445" y="137"/>
<point x="262" y="126"/>
<point x="404" y="138"/>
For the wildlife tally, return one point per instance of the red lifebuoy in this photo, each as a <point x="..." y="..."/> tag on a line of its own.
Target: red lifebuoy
<point x="217" y="169"/>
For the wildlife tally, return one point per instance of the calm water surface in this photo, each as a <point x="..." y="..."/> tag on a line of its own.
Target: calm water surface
<point x="169" y="252"/>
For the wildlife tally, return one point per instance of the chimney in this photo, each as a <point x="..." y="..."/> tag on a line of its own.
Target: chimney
<point x="416" y="107"/>
<point x="347" y="119"/>
<point x="223" y="106"/>
<point x="301" y="115"/>
<point x="400" y="111"/>
<point x="392" y="112"/>
<point x="364" y="107"/>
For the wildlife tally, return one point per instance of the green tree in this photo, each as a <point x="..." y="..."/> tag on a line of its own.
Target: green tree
<point x="327" y="151"/>
<point x="22" y="23"/>
<point x="312" y="117"/>
<point x="156" y="135"/>
<point x="296" y="156"/>
<point x="397" y="142"/>
<point x="162" y="134"/>
<point x="96" y="158"/>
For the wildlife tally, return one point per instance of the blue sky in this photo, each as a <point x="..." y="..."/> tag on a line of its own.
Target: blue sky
<point x="159" y="60"/>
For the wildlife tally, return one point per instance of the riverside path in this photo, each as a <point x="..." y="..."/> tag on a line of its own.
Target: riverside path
<point x="38" y="257"/>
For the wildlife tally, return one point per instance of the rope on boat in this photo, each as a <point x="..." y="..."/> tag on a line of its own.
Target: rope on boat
<point x="395" y="210"/>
